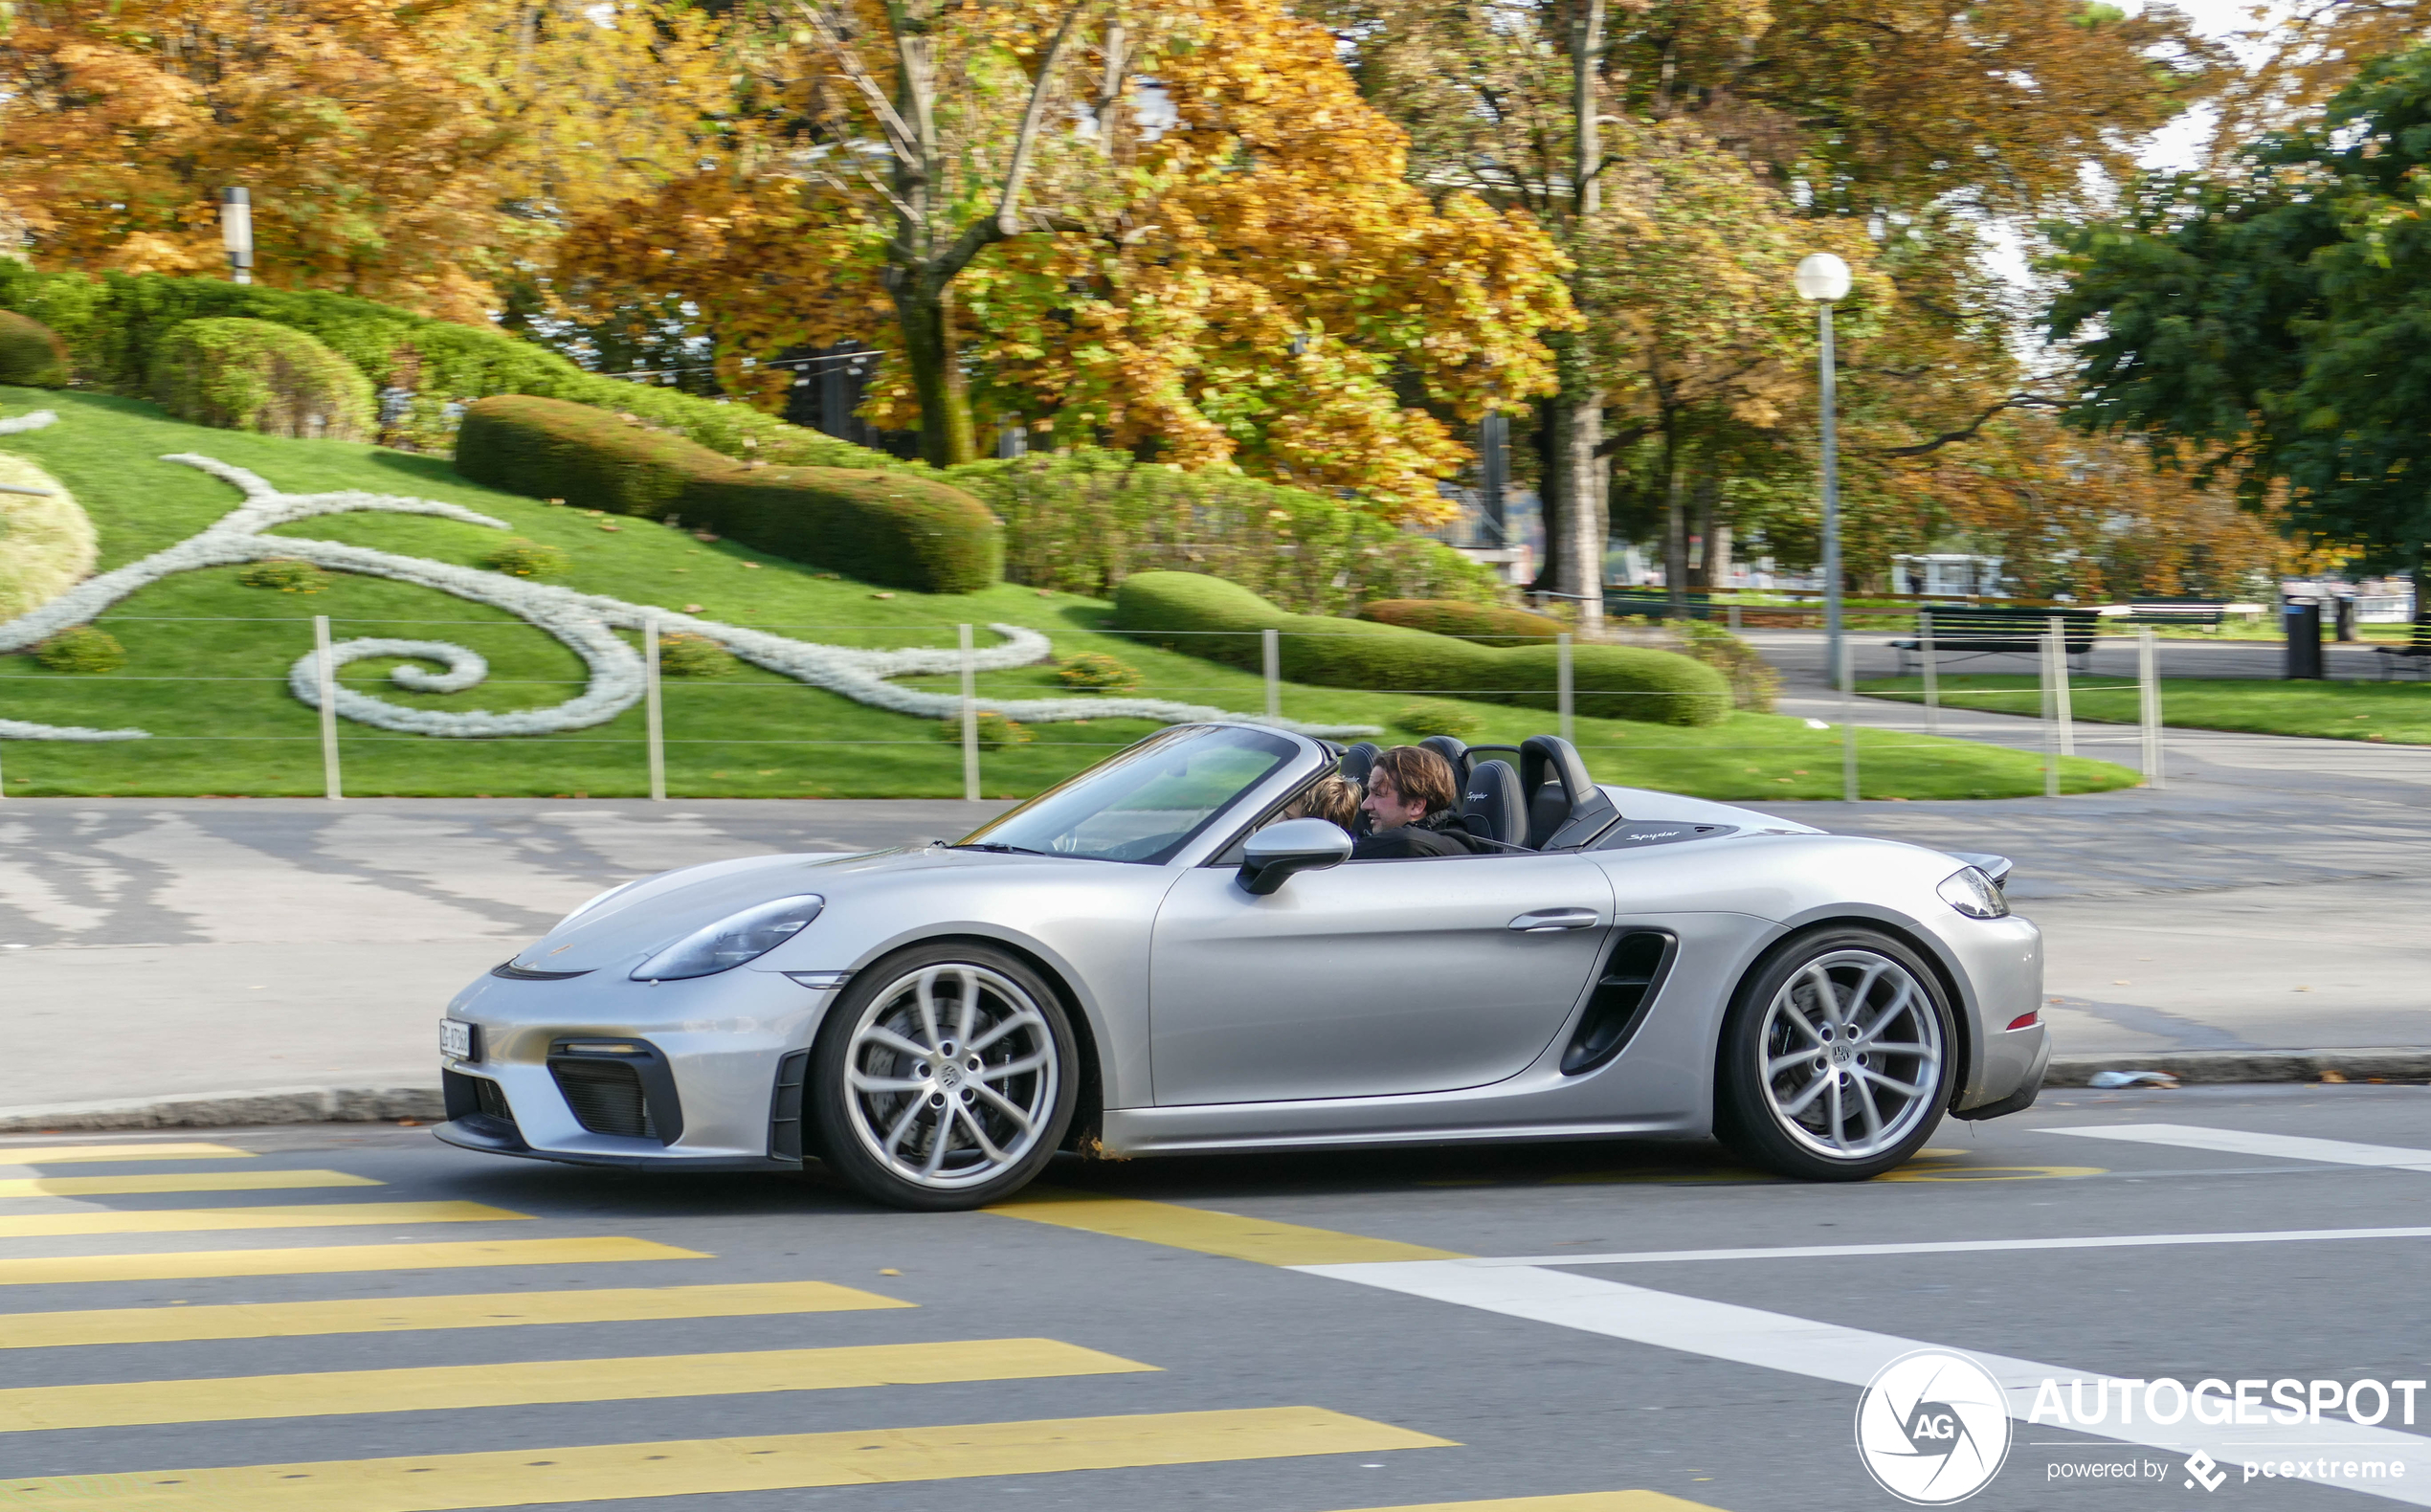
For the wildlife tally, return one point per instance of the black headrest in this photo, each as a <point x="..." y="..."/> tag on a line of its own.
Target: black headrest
<point x="1561" y="796"/>
<point x="1454" y="750"/>
<point x="1357" y="760"/>
<point x="1492" y="803"/>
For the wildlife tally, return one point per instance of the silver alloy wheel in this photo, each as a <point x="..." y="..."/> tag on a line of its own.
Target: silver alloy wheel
<point x="1852" y="1048"/>
<point x="952" y="1076"/>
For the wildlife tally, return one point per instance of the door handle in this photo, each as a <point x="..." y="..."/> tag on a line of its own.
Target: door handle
<point x="1553" y="920"/>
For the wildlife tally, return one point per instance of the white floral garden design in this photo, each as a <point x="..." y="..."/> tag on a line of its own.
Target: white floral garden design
<point x="584" y="622"/>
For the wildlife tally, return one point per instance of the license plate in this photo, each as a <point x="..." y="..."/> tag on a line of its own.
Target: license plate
<point x="460" y="1040"/>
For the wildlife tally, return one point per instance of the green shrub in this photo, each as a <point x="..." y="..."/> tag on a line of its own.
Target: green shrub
<point x="1096" y="672"/>
<point x="1423" y="720"/>
<point x="32" y="354"/>
<point x="254" y="375"/>
<point x="1084" y="521"/>
<point x="996" y="731"/>
<point x="893" y="527"/>
<point x="1626" y="683"/>
<point x="1754" y="684"/>
<point x="1488" y="624"/>
<point x="522" y="558"/>
<point x="82" y="650"/>
<point x="114" y="323"/>
<point x="284" y="575"/>
<point x="686" y="656"/>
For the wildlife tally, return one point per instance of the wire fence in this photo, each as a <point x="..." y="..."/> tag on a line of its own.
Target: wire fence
<point x="341" y="718"/>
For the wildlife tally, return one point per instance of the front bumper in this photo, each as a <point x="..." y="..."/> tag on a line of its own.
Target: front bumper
<point x="709" y="1054"/>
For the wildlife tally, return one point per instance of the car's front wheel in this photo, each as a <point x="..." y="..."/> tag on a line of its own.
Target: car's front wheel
<point x="1837" y="1058"/>
<point x="944" y="1078"/>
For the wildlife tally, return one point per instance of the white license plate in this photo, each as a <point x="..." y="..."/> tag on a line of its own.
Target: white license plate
<point x="457" y="1039"/>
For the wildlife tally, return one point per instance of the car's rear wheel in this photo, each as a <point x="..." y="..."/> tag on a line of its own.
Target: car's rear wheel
<point x="1837" y="1058"/>
<point x="943" y="1078"/>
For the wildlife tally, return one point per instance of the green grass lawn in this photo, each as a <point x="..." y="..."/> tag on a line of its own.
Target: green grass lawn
<point x="2398" y="712"/>
<point x="208" y="661"/>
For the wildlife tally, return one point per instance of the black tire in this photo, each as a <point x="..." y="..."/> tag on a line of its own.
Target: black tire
<point x="883" y="1140"/>
<point x="1771" y="1118"/>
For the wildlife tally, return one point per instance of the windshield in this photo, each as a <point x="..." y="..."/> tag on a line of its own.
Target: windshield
<point x="1143" y="803"/>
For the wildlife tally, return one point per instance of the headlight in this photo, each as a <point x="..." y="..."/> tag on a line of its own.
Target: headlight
<point x="1974" y="894"/>
<point x="731" y="940"/>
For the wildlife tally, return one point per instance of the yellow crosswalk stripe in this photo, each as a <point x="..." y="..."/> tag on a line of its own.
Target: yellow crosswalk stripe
<point x="332" y="1394"/>
<point x="706" y="1466"/>
<point x="53" y="1330"/>
<point x="164" y="1149"/>
<point x="331" y="1259"/>
<point x="1265" y="1240"/>
<point x="1584" y="1502"/>
<point x="178" y="1181"/>
<point x="212" y="1220"/>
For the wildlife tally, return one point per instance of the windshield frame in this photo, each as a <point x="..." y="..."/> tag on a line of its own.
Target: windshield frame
<point x="1306" y="759"/>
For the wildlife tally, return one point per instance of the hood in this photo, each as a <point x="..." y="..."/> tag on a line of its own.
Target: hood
<point x="641" y="917"/>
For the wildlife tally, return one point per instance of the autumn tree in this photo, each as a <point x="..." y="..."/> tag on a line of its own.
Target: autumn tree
<point x="409" y="154"/>
<point x="2266" y="324"/>
<point x="1216" y="256"/>
<point x="1893" y="119"/>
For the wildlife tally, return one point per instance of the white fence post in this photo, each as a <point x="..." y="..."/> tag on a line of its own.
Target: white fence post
<point x="1734" y="616"/>
<point x="970" y="720"/>
<point x="654" y="723"/>
<point x="2051" y="648"/>
<point x="2060" y="711"/>
<point x="325" y="675"/>
<point x="1274" y="648"/>
<point x="1932" y="673"/>
<point x="2148" y="682"/>
<point x="1562" y="696"/>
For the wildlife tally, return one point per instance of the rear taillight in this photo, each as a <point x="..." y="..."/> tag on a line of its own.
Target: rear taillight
<point x="2027" y="1019"/>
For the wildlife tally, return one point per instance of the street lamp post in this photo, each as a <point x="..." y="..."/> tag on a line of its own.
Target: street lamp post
<point x="1824" y="278"/>
<point x="236" y="233"/>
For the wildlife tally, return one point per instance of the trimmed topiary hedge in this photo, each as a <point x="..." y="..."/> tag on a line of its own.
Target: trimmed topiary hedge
<point x="32" y="354"/>
<point x="1614" y="682"/>
<point x="893" y="527"/>
<point x="254" y="375"/>
<point x="1488" y="624"/>
<point x="114" y="324"/>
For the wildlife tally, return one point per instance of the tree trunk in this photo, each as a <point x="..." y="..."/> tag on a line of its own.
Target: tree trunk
<point x="1675" y="524"/>
<point x="925" y="319"/>
<point x="1569" y="427"/>
<point x="1552" y="473"/>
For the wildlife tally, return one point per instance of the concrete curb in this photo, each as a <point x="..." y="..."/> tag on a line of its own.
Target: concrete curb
<point x="232" y="1109"/>
<point x="2219" y="1066"/>
<point x="373" y="1104"/>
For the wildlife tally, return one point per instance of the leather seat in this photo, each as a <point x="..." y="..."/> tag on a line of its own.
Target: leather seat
<point x="1356" y="761"/>
<point x="1493" y="805"/>
<point x="1453" y="750"/>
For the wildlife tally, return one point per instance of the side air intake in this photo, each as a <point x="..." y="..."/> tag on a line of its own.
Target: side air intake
<point x="1633" y="974"/>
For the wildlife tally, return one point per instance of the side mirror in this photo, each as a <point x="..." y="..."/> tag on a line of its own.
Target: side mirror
<point x="1295" y="845"/>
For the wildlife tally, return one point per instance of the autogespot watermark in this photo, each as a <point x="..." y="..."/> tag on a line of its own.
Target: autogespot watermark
<point x="1934" y="1428"/>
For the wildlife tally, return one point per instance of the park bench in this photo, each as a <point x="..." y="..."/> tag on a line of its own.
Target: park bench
<point x="1982" y="632"/>
<point x="1655" y="604"/>
<point x="2412" y="656"/>
<point x="2208" y="612"/>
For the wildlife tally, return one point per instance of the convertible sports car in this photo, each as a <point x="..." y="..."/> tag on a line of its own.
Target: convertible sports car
<point x="1156" y="958"/>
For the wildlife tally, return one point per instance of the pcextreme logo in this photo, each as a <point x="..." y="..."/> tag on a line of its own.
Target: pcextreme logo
<point x="1932" y="1427"/>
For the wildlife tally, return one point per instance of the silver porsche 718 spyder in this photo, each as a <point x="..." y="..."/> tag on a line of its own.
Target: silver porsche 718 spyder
<point x="1156" y="958"/>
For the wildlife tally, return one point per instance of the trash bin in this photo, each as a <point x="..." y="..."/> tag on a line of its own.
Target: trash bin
<point x="2346" y="605"/>
<point x="2300" y="619"/>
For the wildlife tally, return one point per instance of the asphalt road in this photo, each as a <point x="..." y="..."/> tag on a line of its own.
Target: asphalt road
<point x="1147" y="1340"/>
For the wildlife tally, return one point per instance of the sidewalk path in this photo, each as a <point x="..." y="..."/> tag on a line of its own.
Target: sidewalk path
<point x="2264" y="899"/>
<point x="152" y="948"/>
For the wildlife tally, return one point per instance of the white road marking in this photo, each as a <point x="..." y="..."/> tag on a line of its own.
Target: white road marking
<point x="1821" y="1252"/>
<point x="1851" y="1356"/>
<point x="2238" y="1142"/>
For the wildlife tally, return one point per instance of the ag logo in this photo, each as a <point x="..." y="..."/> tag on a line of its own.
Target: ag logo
<point x="1932" y="1427"/>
